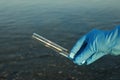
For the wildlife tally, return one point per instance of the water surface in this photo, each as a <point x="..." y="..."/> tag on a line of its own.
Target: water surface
<point x="62" y="21"/>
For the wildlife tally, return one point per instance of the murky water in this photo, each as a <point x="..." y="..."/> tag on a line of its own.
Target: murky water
<point x="62" y="21"/>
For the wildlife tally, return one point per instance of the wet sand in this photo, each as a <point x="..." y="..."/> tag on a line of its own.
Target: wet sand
<point x="52" y="67"/>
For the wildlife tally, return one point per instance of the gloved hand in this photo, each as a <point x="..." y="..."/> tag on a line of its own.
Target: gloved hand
<point x="96" y="44"/>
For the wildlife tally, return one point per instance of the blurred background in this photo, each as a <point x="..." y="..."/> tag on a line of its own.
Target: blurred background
<point x="61" y="21"/>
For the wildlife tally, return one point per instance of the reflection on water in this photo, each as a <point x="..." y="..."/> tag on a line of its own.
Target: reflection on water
<point x="61" y="21"/>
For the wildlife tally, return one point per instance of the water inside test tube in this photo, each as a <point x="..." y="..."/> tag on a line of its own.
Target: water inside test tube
<point x="51" y="45"/>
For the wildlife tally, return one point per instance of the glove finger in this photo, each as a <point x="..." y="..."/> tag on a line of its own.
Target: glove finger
<point x="83" y="56"/>
<point x="77" y="47"/>
<point x="94" y="57"/>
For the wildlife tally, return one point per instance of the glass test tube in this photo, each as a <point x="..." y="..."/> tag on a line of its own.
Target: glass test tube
<point x="52" y="45"/>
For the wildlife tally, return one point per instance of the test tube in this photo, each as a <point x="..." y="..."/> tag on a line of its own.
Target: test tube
<point x="61" y="50"/>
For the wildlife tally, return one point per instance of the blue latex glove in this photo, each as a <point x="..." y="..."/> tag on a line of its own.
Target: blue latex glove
<point x="96" y="44"/>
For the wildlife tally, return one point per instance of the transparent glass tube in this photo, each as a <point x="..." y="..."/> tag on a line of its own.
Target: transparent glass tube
<point x="52" y="45"/>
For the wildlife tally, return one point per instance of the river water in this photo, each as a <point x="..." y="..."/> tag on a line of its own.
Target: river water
<point x="62" y="21"/>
